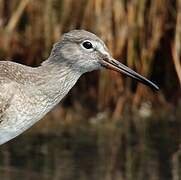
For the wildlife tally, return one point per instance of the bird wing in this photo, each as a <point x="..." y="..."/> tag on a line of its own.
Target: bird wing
<point x="7" y="92"/>
<point x="6" y="95"/>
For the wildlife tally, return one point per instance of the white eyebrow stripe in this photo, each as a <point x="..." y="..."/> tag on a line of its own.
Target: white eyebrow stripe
<point x="101" y="48"/>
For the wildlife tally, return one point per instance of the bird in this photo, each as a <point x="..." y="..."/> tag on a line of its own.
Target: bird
<point x="27" y="93"/>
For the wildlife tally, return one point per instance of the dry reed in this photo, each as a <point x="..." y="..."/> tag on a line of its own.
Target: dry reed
<point x="133" y="31"/>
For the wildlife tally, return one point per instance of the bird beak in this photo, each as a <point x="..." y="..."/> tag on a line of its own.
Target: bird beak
<point x="115" y="65"/>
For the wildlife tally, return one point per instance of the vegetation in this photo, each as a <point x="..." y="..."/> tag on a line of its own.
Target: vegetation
<point x="144" y="34"/>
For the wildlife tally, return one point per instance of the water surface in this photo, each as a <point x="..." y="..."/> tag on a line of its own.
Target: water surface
<point x="129" y="149"/>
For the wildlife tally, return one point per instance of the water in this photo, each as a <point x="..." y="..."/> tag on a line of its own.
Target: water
<point x="129" y="149"/>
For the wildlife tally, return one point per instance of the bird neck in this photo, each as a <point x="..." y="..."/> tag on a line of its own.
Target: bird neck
<point x="57" y="80"/>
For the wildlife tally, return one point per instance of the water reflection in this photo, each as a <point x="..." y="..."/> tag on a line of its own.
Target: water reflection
<point x="126" y="150"/>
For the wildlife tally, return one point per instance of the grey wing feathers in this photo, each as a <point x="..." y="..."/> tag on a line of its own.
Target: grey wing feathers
<point x="6" y="95"/>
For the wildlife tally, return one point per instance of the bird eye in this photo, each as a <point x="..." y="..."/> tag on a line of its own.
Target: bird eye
<point x="87" y="45"/>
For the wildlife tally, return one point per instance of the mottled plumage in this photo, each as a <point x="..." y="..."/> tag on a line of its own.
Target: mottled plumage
<point x="27" y="93"/>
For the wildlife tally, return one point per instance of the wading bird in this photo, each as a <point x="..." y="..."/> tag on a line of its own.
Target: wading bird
<point x="29" y="93"/>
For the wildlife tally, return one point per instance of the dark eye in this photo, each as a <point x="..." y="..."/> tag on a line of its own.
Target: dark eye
<point x="87" y="45"/>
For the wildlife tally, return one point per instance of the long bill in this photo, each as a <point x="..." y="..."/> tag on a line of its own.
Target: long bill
<point x="115" y="65"/>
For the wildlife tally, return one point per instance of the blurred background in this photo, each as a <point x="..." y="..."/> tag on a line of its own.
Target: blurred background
<point x="108" y="127"/>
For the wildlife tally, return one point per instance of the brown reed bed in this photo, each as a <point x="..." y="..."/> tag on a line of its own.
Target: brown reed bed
<point x="143" y="34"/>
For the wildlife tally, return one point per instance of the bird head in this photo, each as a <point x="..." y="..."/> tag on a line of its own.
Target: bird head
<point x="83" y="51"/>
